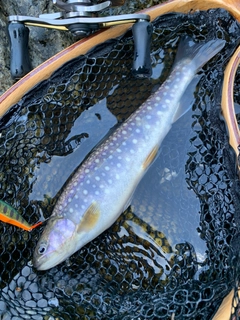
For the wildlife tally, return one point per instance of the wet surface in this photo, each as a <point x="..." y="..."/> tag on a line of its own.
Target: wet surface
<point x="171" y="244"/>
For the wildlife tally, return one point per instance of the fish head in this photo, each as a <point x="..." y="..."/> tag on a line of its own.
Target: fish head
<point x="62" y="236"/>
<point x="55" y="244"/>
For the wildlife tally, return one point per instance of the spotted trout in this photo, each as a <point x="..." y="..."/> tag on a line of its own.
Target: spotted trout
<point x="103" y="185"/>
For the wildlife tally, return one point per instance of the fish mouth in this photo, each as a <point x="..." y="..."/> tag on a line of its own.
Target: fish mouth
<point x="47" y="262"/>
<point x="42" y="265"/>
<point x="38" y="264"/>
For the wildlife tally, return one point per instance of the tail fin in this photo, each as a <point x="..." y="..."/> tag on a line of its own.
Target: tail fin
<point x="198" y="53"/>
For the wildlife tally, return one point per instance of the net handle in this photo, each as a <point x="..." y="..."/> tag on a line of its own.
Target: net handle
<point x="227" y="103"/>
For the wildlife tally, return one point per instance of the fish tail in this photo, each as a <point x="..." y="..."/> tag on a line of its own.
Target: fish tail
<point x="198" y="53"/>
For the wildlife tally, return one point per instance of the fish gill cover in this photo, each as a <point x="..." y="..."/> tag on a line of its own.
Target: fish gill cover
<point x="172" y="254"/>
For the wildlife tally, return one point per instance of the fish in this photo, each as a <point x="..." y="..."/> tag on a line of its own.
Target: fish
<point x="9" y="215"/>
<point x="103" y="185"/>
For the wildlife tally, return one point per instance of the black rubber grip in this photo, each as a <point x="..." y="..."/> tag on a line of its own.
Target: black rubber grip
<point x="19" y="60"/>
<point x="142" y="35"/>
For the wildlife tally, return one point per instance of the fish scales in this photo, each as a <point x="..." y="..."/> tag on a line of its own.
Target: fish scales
<point x="106" y="168"/>
<point x="103" y="185"/>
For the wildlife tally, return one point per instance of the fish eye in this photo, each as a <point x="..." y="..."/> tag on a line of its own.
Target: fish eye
<point x="42" y="248"/>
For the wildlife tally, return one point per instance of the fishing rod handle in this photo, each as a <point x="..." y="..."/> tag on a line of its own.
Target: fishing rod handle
<point x="18" y="35"/>
<point x="142" y="36"/>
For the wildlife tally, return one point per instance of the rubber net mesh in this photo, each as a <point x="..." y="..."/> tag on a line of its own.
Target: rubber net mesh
<point x="173" y="254"/>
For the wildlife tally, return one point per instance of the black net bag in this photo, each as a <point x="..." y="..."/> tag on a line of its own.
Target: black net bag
<point x="173" y="254"/>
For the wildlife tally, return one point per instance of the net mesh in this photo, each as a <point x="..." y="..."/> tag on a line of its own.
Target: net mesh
<point x="173" y="254"/>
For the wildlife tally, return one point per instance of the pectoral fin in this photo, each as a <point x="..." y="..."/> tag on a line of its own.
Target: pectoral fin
<point x="90" y="218"/>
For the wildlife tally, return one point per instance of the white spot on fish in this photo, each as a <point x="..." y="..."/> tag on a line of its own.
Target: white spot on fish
<point x="149" y="108"/>
<point x="97" y="178"/>
<point x="132" y="151"/>
<point x="83" y="206"/>
<point x="167" y="87"/>
<point x="101" y="186"/>
<point x="85" y="192"/>
<point x="75" y="184"/>
<point x="124" y="143"/>
<point x="119" y="150"/>
<point x="124" y="132"/>
<point x="119" y="158"/>
<point x="147" y="126"/>
<point x="105" y="147"/>
<point x="69" y="199"/>
<point x="127" y="159"/>
<point x="96" y="193"/>
<point x="164" y="106"/>
<point x="167" y="101"/>
<point x="109" y="181"/>
<point x="117" y="176"/>
<point x="88" y="181"/>
<point x="97" y="160"/>
<point x="119" y="165"/>
<point x="107" y="168"/>
<point x="76" y="205"/>
<point x="164" y="93"/>
<point x="71" y="210"/>
<point x="72" y="191"/>
<point x="107" y="191"/>
<point x="134" y="141"/>
<point x="60" y="207"/>
<point x="110" y="157"/>
<point x="87" y="170"/>
<point x="103" y="174"/>
<point x="138" y="130"/>
<point x="76" y="196"/>
<point x="149" y="117"/>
